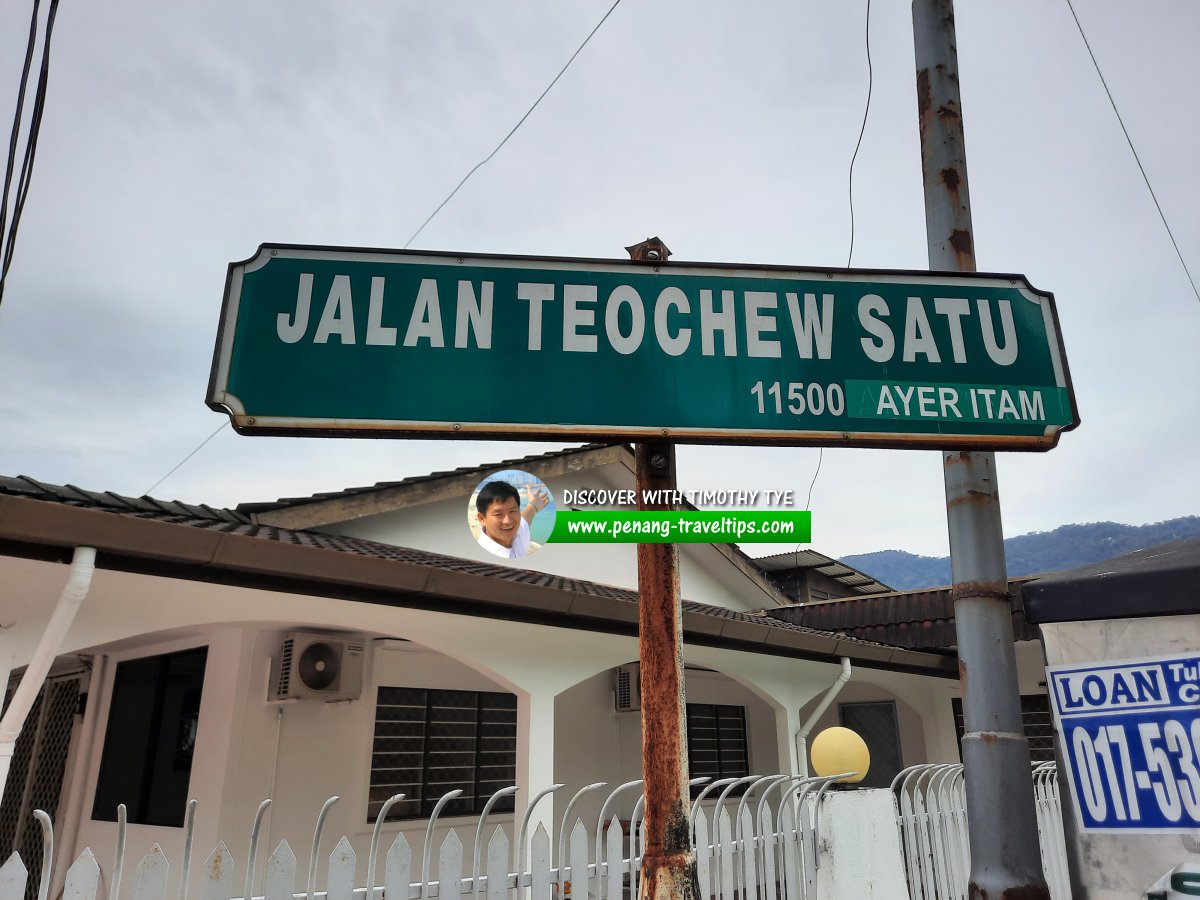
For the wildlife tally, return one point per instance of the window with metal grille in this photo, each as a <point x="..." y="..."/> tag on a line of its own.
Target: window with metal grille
<point x="1037" y="721"/>
<point x="146" y="762"/>
<point x="429" y="742"/>
<point x="875" y="722"/>
<point x="716" y="738"/>
<point x="38" y="768"/>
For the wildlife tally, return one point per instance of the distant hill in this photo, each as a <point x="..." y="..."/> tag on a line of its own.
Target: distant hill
<point x="1066" y="547"/>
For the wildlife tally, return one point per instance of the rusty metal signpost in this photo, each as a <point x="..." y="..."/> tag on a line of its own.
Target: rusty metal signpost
<point x="668" y="863"/>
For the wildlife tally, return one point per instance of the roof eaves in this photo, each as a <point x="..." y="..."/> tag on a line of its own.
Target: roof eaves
<point x="277" y="559"/>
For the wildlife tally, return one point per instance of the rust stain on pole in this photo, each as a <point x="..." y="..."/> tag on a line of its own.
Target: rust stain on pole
<point x="668" y="865"/>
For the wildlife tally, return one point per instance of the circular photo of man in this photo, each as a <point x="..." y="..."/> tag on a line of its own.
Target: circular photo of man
<point x="511" y="514"/>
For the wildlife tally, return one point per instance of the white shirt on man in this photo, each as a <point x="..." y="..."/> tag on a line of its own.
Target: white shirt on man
<point x="520" y="544"/>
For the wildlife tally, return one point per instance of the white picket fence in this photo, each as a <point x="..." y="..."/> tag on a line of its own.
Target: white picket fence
<point x="931" y="812"/>
<point x="763" y="846"/>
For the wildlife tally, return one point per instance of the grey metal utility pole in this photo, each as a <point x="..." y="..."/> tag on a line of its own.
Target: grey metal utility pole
<point x="1002" y="817"/>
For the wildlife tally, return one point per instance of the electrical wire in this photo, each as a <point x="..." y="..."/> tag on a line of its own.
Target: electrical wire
<point x="31" y="140"/>
<point x="179" y="464"/>
<point x="1133" y="150"/>
<point x="449" y="196"/>
<point x="850" y="191"/>
<point x="812" y="484"/>
<point x="513" y="130"/>
<point x="861" y="131"/>
<point x="16" y="128"/>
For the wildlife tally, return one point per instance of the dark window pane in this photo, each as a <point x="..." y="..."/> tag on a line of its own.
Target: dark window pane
<point x="146" y="762"/>
<point x="716" y="738"/>
<point x="428" y="742"/>
<point x="876" y="724"/>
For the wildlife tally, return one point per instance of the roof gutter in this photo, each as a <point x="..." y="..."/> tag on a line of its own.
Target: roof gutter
<point x="79" y="579"/>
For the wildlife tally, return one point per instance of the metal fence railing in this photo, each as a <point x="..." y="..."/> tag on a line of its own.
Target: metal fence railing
<point x="931" y="813"/>
<point x="754" y="837"/>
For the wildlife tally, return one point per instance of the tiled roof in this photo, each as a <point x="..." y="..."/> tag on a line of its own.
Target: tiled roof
<point x="917" y="620"/>
<point x="228" y="521"/>
<point x="147" y="507"/>
<point x="285" y="502"/>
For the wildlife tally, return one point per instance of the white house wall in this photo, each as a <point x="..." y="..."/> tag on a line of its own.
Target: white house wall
<point x="301" y="753"/>
<point x="594" y="742"/>
<point x="706" y="576"/>
<point x="567" y="728"/>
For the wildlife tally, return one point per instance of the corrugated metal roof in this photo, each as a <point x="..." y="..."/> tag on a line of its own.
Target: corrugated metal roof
<point x="778" y="565"/>
<point x="917" y="620"/>
<point x="1156" y="581"/>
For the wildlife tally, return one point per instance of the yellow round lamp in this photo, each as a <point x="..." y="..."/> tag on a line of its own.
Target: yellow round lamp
<point x="837" y="750"/>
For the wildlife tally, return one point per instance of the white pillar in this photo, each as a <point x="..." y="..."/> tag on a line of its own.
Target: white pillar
<point x="535" y="757"/>
<point x="787" y="723"/>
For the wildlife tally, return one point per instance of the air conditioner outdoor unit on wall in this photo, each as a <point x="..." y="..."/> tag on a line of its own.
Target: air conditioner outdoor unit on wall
<point x="629" y="688"/>
<point x="318" y="666"/>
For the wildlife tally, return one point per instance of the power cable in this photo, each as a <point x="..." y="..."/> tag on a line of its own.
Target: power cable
<point x="861" y="131"/>
<point x="16" y="128"/>
<point x="449" y="196"/>
<point x="853" y="159"/>
<point x="179" y="464"/>
<point x="513" y="130"/>
<point x="1133" y="150"/>
<point x="31" y="139"/>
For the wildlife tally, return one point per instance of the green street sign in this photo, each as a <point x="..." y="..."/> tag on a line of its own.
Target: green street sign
<point x="328" y="341"/>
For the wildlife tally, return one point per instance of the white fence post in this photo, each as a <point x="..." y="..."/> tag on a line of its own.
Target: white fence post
<point x="150" y="878"/>
<point x="83" y="878"/>
<point x="13" y="876"/>
<point x="539" y="865"/>
<point x="497" y="866"/>
<point x="218" y="874"/>
<point x="450" y="867"/>
<point x="397" y="868"/>
<point x="341" y="871"/>
<point x="280" y="879"/>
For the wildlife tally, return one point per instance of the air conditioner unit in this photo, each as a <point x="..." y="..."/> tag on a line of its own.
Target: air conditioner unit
<point x="629" y="688"/>
<point x="318" y="666"/>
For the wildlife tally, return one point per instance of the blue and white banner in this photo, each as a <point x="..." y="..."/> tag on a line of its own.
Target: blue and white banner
<point x="1129" y="732"/>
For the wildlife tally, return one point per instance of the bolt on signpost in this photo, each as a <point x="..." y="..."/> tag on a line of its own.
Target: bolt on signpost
<point x="1002" y="818"/>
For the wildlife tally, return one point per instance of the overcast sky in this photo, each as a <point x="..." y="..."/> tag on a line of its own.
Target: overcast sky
<point x="178" y="137"/>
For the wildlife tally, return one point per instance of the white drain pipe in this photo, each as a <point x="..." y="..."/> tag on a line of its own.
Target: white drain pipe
<point x="802" y="734"/>
<point x="83" y="564"/>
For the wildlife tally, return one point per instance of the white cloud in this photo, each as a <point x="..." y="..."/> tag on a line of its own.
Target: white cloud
<point x="177" y="139"/>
